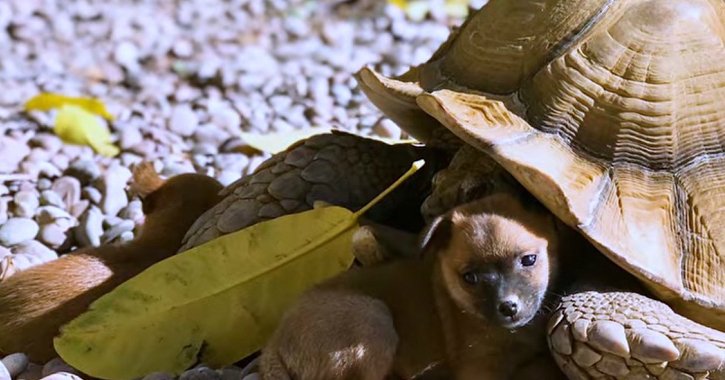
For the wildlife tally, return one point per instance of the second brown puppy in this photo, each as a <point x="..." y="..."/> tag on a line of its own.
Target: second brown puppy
<point x="35" y="303"/>
<point x="469" y="309"/>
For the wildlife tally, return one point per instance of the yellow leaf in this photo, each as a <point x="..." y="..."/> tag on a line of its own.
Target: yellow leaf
<point x="279" y="141"/>
<point x="457" y="8"/>
<point x="402" y="4"/>
<point x="47" y="101"/>
<point x="418" y="9"/>
<point x="75" y="125"/>
<point x="215" y="303"/>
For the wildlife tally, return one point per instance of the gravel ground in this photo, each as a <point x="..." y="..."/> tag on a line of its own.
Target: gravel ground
<point x="183" y="78"/>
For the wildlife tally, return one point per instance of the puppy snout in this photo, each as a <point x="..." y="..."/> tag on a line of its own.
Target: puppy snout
<point x="508" y="308"/>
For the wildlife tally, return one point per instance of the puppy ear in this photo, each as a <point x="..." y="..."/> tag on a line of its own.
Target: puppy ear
<point x="436" y="235"/>
<point x="145" y="180"/>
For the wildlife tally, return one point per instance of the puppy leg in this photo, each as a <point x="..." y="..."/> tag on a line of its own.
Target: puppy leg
<point x="332" y="334"/>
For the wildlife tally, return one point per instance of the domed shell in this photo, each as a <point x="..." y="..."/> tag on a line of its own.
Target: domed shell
<point x="612" y="113"/>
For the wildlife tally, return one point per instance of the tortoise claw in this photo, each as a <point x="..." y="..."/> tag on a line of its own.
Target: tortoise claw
<point x="629" y="336"/>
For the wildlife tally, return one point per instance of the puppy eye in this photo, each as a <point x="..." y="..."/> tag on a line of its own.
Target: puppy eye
<point x="528" y="260"/>
<point x="470" y="277"/>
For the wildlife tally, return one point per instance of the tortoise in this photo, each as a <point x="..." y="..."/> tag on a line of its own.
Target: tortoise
<point x="610" y="112"/>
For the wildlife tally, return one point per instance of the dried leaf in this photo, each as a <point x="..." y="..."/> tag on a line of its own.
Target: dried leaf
<point x="215" y="303"/>
<point x="75" y="125"/>
<point x="417" y="10"/>
<point x="47" y="101"/>
<point x="279" y="141"/>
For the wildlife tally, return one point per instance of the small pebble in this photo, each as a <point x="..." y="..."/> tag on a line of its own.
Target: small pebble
<point x="57" y="365"/>
<point x="159" y="376"/>
<point x="4" y="201"/>
<point x="126" y="237"/>
<point x="225" y="117"/>
<point x="62" y="376"/>
<point x="183" y="120"/>
<point x="200" y="373"/>
<point x="183" y="48"/>
<point x="26" y="202"/>
<point x="231" y="373"/>
<point x="89" y="232"/>
<point x="112" y="187"/>
<point x="133" y="211"/>
<point x="127" y="55"/>
<point x="50" y="214"/>
<point x="32" y="372"/>
<point x="130" y="136"/>
<point x="92" y="194"/>
<point x="51" y="198"/>
<point x="53" y="235"/>
<point x="17" y="230"/>
<point x="69" y="189"/>
<point x="12" y="152"/>
<point x="4" y="374"/>
<point x="4" y="251"/>
<point x="117" y="230"/>
<point x="386" y="128"/>
<point x="15" y="363"/>
<point x="38" y="252"/>
<point x="85" y="170"/>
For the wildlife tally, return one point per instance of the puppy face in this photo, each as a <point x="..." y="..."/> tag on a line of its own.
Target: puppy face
<point x="496" y="258"/>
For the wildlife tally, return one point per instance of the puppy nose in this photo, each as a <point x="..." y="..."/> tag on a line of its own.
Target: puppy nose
<point x="508" y="309"/>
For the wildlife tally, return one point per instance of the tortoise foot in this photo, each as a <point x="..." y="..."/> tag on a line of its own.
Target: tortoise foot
<point x="624" y="335"/>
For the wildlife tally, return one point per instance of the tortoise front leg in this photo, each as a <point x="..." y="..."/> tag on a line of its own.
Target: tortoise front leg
<point x="625" y="335"/>
<point x="338" y="168"/>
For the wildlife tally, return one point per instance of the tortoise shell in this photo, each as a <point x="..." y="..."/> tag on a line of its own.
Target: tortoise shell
<point x="611" y="112"/>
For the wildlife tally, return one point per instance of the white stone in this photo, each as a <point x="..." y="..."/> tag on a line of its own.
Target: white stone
<point x="183" y="120"/>
<point x="15" y="363"/>
<point x="26" y="202"/>
<point x="17" y="230"/>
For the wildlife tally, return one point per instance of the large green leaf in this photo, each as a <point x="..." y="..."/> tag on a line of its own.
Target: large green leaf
<point x="215" y="303"/>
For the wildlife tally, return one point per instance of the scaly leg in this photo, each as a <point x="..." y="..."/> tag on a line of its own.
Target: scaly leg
<point x="626" y="335"/>
<point x="337" y="168"/>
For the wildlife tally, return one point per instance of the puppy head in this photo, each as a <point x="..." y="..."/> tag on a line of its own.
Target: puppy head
<point x="496" y="257"/>
<point x="184" y="194"/>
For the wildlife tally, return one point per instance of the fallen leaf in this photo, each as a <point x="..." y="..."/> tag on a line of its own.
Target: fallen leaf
<point x="76" y="121"/>
<point x="75" y="125"/>
<point x="215" y="303"/>
<point x="417" y="10"/>
<point x="47" y="101"/>
<point x="279" y="141"/>
<point x="276" y="142"/>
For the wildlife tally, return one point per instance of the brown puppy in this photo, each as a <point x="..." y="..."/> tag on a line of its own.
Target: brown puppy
<point x="35" y="303"/>
<point x="470" y="306"/>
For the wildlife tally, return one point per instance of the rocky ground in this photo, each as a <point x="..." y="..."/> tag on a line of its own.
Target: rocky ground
<point x="183" y="78"/>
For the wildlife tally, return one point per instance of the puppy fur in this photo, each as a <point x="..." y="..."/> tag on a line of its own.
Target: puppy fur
<point x="436" y="317"/>
<point x="36" y="302"/>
